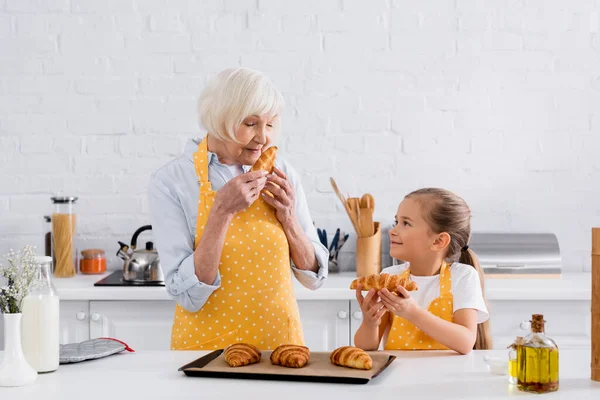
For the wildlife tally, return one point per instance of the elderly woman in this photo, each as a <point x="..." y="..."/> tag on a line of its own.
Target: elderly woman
<point x="229" y="238"/>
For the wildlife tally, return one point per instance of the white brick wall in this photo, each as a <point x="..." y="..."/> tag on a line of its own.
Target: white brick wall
<point x="498" y="101"/>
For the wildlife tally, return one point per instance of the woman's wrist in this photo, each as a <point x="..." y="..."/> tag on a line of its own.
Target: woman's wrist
<point x="291" y="226"/>
<point x="220" y="213"/>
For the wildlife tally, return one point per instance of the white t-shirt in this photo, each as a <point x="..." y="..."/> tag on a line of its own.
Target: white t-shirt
<point x="466" y="288"/>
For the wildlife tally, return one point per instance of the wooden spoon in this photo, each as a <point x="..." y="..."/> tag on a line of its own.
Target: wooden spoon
<point x="367" y="203"/>
<point x="354" y="205"/>
<point x="368" y="200"/>
<point x="345" y="203"/>
<point x="356" y="209"/>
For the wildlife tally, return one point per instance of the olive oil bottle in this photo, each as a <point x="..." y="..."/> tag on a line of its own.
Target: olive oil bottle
<point x="537" y="360"/>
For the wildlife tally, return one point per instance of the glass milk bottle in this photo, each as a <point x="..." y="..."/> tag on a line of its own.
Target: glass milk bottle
<point x="40" y="332"/>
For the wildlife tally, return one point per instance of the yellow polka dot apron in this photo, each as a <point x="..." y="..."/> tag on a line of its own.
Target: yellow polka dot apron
<point x="255" y="303"/>
<point x="403" y="335"/>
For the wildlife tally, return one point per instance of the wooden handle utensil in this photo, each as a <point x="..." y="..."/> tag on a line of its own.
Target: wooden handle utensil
<point x="349" y="211"/>
<point x="595" y="304"/>
<point x="367" y="204"/>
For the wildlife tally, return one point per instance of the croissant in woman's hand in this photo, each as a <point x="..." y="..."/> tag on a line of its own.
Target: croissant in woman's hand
<point x="266" y="161"/>
<point x="289" y="355"/>
<point x="240" y="354"/>
<point x="351" y="357"/>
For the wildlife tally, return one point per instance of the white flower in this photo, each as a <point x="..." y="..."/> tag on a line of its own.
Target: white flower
<point x="18" y="275"/>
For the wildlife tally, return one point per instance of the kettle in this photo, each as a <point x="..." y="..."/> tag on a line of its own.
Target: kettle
<point x="141" y="266"/>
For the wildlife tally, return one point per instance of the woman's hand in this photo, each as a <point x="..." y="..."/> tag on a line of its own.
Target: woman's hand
<point x="401" y="305"/>
<point x="372" y="309"/>
<point x="240" y="192"/>
<point x="284" y="198"/>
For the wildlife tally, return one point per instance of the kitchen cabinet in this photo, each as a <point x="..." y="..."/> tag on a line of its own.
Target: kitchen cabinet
<point x="74" y="326"/>
<point x="143" y="325"/>
<point x="146" y="325"/>
<point x="326" y="324"/>
<point x="355" y="319"/>
<point x="568" y="322"/>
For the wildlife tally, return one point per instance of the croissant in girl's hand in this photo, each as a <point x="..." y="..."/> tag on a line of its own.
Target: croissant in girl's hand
<point x="351" y="357"/>
<point x="380" y="281"/>
<point x="240" y="354"/>
<point x="290" y="355"/>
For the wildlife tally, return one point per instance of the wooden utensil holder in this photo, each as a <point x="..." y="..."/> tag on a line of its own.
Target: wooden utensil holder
<point x="368" y="253"/>
<point x="595" y="304"/>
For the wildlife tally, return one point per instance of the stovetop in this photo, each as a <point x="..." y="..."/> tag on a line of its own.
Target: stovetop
<point x="116" y="279"/>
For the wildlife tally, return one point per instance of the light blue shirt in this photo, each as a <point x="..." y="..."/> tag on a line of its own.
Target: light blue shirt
<point x="173" y="195"/>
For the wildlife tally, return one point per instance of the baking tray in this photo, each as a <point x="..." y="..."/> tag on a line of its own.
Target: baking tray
<point x="318" y="369"/>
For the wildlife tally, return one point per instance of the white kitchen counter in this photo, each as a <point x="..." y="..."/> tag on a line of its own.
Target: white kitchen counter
<point x="422" y="375"/>
<point x="571" y="286"/>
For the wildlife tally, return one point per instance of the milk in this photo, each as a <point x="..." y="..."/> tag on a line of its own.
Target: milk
<point x="40" y="332"/>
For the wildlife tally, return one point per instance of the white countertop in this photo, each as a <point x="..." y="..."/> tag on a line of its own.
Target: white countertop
<point x="413" y="375"/>
<point x="571" y="286"/>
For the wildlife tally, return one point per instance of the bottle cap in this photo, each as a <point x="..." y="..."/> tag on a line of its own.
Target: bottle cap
<point x="63" y="199"/>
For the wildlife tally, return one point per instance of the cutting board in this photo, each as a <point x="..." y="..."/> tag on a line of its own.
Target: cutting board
<point x="318" y="369"/>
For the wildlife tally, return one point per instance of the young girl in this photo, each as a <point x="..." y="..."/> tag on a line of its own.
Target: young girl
<point x="448" y="311"/>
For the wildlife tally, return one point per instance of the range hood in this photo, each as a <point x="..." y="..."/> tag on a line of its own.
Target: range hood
<point x="515" y="255"/>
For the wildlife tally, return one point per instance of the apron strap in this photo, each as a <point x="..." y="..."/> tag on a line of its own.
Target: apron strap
<point x="445" y="281"/>
<point x="207" y="196"/>
<point x="201" y="165"/>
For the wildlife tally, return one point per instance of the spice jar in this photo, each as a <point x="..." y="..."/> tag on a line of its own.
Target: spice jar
<point x="93" y="261"/>
<point x="64" y="222"/>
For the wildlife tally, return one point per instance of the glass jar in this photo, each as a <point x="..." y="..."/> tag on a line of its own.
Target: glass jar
<point x="40" y="321"/>
<point x="538" y="360"/>
<point x="64" y="221"/>
<point x="93" y="261"/>
<point x="513" y="365"/>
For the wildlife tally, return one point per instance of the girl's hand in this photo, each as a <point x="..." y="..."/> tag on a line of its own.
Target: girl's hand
<point x="372" y="309"/>
<point x="401" y="305"/>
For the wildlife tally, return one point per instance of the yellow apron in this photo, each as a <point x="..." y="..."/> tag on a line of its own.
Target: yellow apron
<point x="256" y="303"/>
<point x="403" y="335"/>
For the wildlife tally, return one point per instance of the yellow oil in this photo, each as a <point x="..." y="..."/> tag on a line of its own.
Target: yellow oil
<point x="538" y="370"/>
<point x="512" y="368"/>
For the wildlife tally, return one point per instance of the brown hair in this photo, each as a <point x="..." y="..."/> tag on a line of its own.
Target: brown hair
<point x="444" y="211"/>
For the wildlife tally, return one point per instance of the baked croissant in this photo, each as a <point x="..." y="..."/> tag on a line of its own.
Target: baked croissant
<point x="380" y="281"/>
<point x="240" y="354"/>
<point x="290" y="355"/>
<point x="266" y="161"/>
<point x="351" y="357"/>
